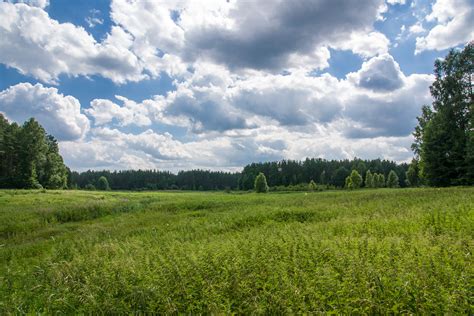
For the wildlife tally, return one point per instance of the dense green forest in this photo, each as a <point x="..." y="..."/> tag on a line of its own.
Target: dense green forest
<point x="279" y="173"/>
<point x="443" y="147"/>
<point x="444" y="137"/>
<point x="29" y="157"/>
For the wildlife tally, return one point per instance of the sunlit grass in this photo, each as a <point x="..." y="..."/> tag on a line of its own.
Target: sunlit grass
<point x="377" y="251"/>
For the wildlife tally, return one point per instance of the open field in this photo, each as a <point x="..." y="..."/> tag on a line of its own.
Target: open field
<point x="378" y="251"/>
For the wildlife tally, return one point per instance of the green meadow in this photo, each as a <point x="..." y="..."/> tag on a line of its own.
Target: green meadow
<point x="366" y="251"/>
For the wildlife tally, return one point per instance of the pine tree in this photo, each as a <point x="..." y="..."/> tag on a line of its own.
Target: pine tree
<point x="260" y="184"/>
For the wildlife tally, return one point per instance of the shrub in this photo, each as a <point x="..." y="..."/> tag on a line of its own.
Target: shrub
<point x="90" y="187"/>
<point x="312" y="186"/>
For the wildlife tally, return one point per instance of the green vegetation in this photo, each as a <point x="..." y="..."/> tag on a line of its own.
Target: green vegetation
<point x="261" y="183"/>
<point x="363" y="251"/>
<point x="354" y="180"/>
<point x="103" y="184"/>
<point x="444" y="137"/>
<point x="392" y="180"/>
<point x="29" y="157"/>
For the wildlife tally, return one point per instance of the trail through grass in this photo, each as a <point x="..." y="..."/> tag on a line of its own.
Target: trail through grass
<point x="368" y="251"/>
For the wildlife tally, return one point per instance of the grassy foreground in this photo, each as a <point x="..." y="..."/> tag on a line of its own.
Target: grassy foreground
<point x="375" y="251"/>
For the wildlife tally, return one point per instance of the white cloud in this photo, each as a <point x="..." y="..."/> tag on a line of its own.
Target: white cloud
<point x="454" y="25"/>
<point x="140" y="114"/>
<point x="94" y="18"/>
<point x="365" y="44"/>
<point x="381" y="73"/>
<point x="60" y="115"/>
<point x="392" y="2"/>
<point x="34" y="3"/>
<point x="286" y="116"/>
<point x="41" y="47"/>
<point x="417" y="28"/>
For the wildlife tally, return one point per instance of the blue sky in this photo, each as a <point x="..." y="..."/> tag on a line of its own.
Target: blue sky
<point x="218" y="84"/>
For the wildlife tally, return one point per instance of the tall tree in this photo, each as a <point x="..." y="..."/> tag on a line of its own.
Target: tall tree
<point x="444" y="135"/>
<point x="32" y="153"/>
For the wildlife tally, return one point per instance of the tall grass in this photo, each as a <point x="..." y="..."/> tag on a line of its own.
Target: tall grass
<point x="370" y="251"/>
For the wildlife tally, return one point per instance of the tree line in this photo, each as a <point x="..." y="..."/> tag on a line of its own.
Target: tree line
<point x="29" y="157"/>
<point x="285" y="173"/>
<point x="202" y="180"/>
<point x="324" y="172"/>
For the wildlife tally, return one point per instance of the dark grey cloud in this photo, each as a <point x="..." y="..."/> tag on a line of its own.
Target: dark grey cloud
<point x="380" y="74"/>
<point x="206" y="114"/>
<point x="384" y="116"/>
<point x="265" y="35"/>
<point x="289" y="106"/>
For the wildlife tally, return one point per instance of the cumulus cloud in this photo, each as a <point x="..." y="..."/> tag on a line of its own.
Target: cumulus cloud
<point x="113" y="149"/>
<point x="147" y="38"/>
<point x="290" y="100"/>
<point x="263" y="37"/>
<point x="389" y="114"/>
<point x="34" y="3"/>
<point x="381" y="73"/>
<point x="60" y="115"/>
<point x="140" y="114"/>
<point x="365" y="44"/>
<point x="454" y="25"/>
<point x="41" y="47"/>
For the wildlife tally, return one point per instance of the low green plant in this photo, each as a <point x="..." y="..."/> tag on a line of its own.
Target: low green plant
<point x="391" y="251"/>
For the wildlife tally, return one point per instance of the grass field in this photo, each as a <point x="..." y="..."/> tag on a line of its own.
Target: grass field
<point x="374" y="251"/>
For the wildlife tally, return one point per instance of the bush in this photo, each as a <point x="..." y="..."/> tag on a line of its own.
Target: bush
<point x="260" y="184"/>
<point x="312" y="186"/>
<point x="90" y="187"/>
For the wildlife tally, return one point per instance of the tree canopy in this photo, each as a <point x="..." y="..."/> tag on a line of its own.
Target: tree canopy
<point x="444" y="137"/>
<point x="29" y="157"/>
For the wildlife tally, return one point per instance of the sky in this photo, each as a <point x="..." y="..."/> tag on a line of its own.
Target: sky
<point x="216" y="84"/>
